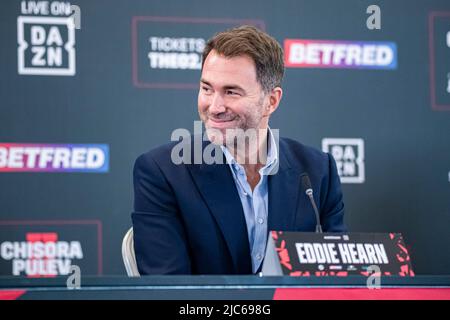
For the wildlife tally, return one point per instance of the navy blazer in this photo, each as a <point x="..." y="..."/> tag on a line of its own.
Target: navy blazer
<point x="188" y="218"/>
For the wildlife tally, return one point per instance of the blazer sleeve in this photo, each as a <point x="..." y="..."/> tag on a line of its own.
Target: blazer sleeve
<point x="332" y="204"/>
<point x="159" y="236"/>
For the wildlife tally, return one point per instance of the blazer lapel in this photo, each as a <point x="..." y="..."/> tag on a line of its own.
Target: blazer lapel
<point x="215" y="183"/>
<point x="284" y="189"/>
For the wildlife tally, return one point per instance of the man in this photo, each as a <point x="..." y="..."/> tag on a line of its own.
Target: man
<point x="215" y="218"/>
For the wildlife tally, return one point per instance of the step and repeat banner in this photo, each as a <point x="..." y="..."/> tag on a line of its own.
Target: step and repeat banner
<point x="87" y="86"/>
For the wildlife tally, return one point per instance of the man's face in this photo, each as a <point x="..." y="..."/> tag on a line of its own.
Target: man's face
<point x="230" y="97"/>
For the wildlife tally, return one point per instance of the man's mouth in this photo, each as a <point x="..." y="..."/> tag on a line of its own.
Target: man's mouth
<point x="220" y="123"/>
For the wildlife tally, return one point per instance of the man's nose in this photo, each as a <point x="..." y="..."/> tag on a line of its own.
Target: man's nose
<point x="217" y="104"/>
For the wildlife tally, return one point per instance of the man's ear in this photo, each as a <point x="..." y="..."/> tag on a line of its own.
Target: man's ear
<point x="274" y="100"/>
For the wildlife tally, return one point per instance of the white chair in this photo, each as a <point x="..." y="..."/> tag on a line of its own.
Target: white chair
<point x="129" y="259"/>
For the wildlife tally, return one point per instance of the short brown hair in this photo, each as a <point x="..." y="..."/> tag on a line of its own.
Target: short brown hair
<point x="264" y="50"/>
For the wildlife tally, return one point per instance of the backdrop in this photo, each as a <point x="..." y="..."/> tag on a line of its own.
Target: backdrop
<point x="87" y="86"/>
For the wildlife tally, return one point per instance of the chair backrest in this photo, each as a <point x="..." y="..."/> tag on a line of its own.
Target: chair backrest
<point x="129" y="259"/>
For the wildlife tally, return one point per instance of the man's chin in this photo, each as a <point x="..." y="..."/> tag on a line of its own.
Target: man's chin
<point x="216" y="135"/>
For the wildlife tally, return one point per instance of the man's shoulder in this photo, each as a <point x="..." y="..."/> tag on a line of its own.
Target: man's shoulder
<point x="159" y="156"/>
<point x="173" y="155"/>
<point x="300" y="151"/>
<point x="159" y="152"/>
<point x="304" y="158"/>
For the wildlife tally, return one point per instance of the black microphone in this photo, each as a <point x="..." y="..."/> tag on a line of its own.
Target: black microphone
<point x="307" y="188"/>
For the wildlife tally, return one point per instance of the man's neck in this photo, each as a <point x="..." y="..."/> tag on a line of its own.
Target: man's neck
<point x="253" y="156"/>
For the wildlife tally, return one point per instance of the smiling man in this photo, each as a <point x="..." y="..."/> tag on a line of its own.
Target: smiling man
<point x="215" y="218"/>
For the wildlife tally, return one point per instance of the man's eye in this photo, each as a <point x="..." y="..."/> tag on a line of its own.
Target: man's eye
<point x="206" y="89"/>
<point x="230" y="92"/>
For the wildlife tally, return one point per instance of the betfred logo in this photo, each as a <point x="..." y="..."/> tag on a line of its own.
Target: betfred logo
<point x="15" y="157"/>
<point x="349" y="157"/>
<point x="300" y="53"/>
<point x="41" y="255"/>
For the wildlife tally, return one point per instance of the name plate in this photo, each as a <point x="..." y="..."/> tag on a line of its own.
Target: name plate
<point x="336" y="254"/>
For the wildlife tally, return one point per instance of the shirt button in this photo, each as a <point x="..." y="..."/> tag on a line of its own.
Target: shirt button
<point x="258" y="256"/>
<point x="260" y="220"/>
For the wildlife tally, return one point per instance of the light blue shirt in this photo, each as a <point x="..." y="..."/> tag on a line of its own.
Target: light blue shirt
<point x="255" y="204"/>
